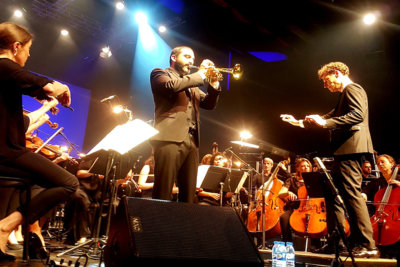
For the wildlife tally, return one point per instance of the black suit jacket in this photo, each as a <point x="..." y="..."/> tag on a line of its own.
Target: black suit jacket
<point x="348" y="122"/>
<point x="173" y="115"/>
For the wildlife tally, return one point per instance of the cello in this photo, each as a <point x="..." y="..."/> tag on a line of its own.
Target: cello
<point x="273" y="205"/>
<point x="310" y="218"/>
<point x="386" y="220"/>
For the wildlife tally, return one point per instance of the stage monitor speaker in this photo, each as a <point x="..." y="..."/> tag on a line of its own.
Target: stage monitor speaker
<point x="146" y="231"/>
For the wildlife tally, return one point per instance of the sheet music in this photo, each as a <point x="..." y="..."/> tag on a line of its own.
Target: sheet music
<point x="125" y="137"/>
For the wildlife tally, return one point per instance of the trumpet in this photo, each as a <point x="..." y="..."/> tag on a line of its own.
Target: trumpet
<point x="236" y="71"/>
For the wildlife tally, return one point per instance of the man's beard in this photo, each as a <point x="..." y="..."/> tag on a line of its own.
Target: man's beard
<point x="183" y="69"/>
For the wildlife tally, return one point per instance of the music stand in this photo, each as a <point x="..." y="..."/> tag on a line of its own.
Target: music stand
<point x="330" y="188"/>
<point x="209" y="177"/>
<point x="236" y="180"/>
<point x="105" y="155"/>
<point x="314" y="184"/>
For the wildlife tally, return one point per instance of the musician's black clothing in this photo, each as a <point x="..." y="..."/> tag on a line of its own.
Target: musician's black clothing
<point x="15" y="159"/>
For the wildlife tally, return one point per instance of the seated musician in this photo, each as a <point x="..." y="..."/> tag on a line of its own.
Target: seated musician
<point x="209" y="198"/>
<point x="257" y="179"/>
<point x="386" y="166"/>
<point x="32" y="121"/>
<point x="206" y="160"/>
<point x="79" y="218"/>
<point x="146" y="179"/>
<point x="289" y="194"/>
<point x="366" y="169"/>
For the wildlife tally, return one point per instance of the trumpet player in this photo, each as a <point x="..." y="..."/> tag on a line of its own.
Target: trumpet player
<point x="177" y="99"/>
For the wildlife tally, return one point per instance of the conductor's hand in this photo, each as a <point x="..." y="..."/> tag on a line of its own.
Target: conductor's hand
<point x="316" y="119"/>
<point x="290" y="119"/>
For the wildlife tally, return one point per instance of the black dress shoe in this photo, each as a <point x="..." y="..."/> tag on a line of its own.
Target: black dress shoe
<point x="36" y="248"/>
<point x="364" y="252"/>
<point x="6" y="257"/>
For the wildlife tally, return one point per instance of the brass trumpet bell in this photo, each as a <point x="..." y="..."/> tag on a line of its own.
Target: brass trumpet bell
<point x="236" y="71"/>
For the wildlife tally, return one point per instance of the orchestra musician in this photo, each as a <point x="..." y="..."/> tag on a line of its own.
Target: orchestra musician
<point x="386" y="164"/>
<point x="257" y="178"/>
<point x="351" y="142"/>
<point x="146" y="179"/>
<point x="15" y="158"/>
<point x="177" y="100"/>
<point x="210" y="198"/>
<point x="366" y="169"/>
<point x="289" y="192"/>
<point x="32" y="121"/>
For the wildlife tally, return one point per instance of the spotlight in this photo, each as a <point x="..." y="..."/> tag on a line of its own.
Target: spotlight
<point x="141" y="18"/>
<point x="245" y="135"/>
<point x="18" y="13"/>
<point x="369" y="19"/>
<point x="120" y="5"/>
<point x="162" y="28"/>
<point x="64" y="32"/>
<point x="105" y="52"/>
<point x="118" y="109"/>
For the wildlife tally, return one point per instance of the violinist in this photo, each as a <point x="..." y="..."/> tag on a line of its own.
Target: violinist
<point x="15" y="158"/>
<point x="289" y="193"/>
<point x="37" y="118"/>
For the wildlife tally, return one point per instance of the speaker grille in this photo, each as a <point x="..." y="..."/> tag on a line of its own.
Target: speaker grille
<point x="170" y="230"/>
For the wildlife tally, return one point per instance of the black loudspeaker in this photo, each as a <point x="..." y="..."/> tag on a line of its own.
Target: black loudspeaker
<point x="146" y="231"/>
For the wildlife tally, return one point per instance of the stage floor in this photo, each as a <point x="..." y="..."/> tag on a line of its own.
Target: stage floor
<point x="79" y="258"/>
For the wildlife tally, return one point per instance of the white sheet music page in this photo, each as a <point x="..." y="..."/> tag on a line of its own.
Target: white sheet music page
<point x="126" y="136"/>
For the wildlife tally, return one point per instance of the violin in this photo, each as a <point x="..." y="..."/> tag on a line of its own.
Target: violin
<point x="386" y="220"/>
<point x="49" y="151"/>
<point x="272" y="203"/>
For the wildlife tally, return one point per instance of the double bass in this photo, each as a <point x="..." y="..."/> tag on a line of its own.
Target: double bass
<point x="386" y="220"/>
<point x="272" y="203"/>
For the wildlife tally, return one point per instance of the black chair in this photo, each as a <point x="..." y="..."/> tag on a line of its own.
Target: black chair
<point x="23" y="185"/>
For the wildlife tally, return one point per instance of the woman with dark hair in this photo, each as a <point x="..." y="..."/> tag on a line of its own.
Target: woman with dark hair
<point x="15" y="158"/>
<point x="289" y="192"/>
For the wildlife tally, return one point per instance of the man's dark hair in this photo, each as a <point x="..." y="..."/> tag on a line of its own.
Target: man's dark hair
<point x="176" y="51"/>
<point x="331" y="67"/>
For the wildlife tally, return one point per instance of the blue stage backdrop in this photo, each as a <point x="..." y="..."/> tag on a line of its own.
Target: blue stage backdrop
<point x="73" y="122"/>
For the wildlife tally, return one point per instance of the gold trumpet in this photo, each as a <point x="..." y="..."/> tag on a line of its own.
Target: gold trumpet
<point x="236" y="71"/>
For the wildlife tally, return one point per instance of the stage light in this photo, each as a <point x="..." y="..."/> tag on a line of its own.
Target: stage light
<point x="105" y="52"/>
<point x="118" y="109"/>
<point x="64" y="32"/>
<point x="162" y="28"/>
<point x="245" y="135"/>
<point x="18" y="13"/>
<point x="120" y="5"/>
<point x="369" y="19"/>
<point x="238" y="164"/>
<point x="141" y="18"/>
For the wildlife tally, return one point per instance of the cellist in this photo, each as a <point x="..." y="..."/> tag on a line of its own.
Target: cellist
<point x="386" y="165"/>
<point x="289" y="193"/>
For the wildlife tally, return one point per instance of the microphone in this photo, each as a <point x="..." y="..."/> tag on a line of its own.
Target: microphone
<point x="107" y="98"/>
<point x="319" y="163"/>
